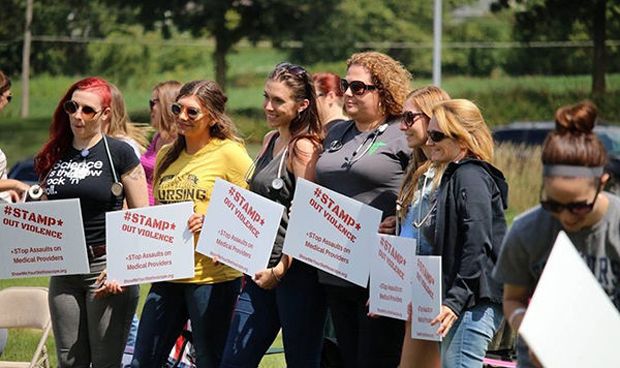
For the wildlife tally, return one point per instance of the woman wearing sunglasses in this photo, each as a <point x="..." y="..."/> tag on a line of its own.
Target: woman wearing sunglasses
<point x="163" y="121"/>
<point x="465" y="226"/>
<point x="329" y="99"/>
<point x="207" y="147"/>
<point x="10" y="190"/>
<point x="90" y="324"/>
<point x="571" y="199"/>
<point x="286" y="294"/>
<point x="365" y="159"/>
<point x="415" y="202"/>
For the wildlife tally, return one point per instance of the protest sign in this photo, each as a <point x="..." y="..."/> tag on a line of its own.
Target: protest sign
<point x="426" y="297"/>
<point x="150" y="244"/>
<point x="240" y="228"/>
<point x="42" y="239"/>
<point x="390" y="276"/>
<point x="332" y="232"/>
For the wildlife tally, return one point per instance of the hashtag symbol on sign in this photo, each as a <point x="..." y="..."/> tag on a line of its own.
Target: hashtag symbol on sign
<point x="317" y="192"/>
<point x="127" y="216"/>
<point x="8" y="210"/>
<point x="231" y="191"/>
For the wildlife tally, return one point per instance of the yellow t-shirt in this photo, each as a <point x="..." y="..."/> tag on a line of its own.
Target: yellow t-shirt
<point x="191" y="178"/>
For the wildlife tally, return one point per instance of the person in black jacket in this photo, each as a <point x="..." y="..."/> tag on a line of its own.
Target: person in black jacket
<point x="466" y="228"/>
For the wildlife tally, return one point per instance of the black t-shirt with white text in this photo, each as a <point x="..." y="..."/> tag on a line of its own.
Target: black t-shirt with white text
<point x="90" y="179"/>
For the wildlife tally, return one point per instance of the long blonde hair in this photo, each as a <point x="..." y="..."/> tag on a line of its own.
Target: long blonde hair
<point x="165" y="122"/>
<point x="120" y="126"/>
<point x="462" y="120"/>
<point x="425" y="99"/>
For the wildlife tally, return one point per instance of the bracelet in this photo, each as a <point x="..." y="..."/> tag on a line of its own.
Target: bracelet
<point x="517" y="312"/>
<point x="274" y="274"/>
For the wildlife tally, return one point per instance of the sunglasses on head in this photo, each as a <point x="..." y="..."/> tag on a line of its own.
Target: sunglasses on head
<point x="71" y="107"/>
<point x="576" y="208"/>
<point x="153" y="102"/>
<point x="357" y="87"/>
<point x="296" y="70"/>
<point x="192" y="112"/>
<point x="436" y="136"/>
<point x="409" y="118"/>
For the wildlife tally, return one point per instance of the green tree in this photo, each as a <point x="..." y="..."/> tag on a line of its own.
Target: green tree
<point x="543" y="20"/>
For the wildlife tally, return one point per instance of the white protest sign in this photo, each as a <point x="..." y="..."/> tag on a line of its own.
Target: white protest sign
<point x="150" y="244"/>
<point x="571" y="321"/>
<point x="332" y="232"/>
<point x="390" y="276"/>
<point x="426" y="297"/>
<point x="239" y="228"/>
<point x="42" y="239"/>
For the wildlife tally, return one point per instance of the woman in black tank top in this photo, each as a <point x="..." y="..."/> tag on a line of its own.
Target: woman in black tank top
<point x="287" y="294"/>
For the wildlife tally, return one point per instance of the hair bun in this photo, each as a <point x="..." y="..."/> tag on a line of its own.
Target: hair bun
<point x="577" y="119"/>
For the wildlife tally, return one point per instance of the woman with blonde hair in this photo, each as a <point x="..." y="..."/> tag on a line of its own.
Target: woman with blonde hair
<point x="417" y="194"/>
<point x="163" y="121"/>
<point x="120" y="125"/>
<point x="365" y="159"/>
<point x="465" y="226"/>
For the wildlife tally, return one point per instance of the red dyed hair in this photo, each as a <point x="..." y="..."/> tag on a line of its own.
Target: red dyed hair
<point x="61" y="136"/>
<point x="327" y="82"/>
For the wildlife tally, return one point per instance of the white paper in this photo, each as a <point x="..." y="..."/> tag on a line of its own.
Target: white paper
<point x="150" y="244"/>
<point x="390" y="276"/>
<point x="240" y="228"/>
<point x="570" y="321"/>
<point x="426" y="298"/>
<point x="332" y="232"/>
<point x="42" y="239"/>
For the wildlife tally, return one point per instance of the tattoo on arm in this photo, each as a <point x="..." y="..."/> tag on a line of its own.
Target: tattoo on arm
<point x="137" y="173"/>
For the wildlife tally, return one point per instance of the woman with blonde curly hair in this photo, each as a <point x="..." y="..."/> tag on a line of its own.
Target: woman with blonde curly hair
<point x="465" y="226"/>
<point x="365" y="159"/>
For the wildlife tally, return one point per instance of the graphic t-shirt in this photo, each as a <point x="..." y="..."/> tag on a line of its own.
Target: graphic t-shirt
<point x="90" y="179"/>
<point x="191" y="178"/>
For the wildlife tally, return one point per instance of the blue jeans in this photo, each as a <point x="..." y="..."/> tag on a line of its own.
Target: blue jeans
<point x="167" y="307"/>
<point x="297" y="305"/>
<point x="466" y="343"/>
<point x="363" y="341"/>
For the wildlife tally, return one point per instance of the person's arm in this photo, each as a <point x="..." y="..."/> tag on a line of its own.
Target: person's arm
<point x="134" y="183"/>
<point x="12" y="184"/>
<point x="515" y="304"/>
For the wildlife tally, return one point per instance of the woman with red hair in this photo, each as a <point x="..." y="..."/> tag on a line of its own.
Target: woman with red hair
<point x="90" y="318"/>
<point x="329" y="99"/>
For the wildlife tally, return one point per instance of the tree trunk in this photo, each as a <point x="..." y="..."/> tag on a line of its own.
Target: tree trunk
<point x="221" y="66"/>
<point x="599" y="60"/>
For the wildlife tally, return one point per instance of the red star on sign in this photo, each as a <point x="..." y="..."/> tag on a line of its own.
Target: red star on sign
<point x="60" y="222"/>
<point x="357" y="226"/>
<point x="173" y="226"/>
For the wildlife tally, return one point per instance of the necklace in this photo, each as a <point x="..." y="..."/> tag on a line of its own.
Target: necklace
<point x="84" y="153"/>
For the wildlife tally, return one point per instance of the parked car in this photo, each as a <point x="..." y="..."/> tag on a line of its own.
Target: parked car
<point x="533" y="133"/>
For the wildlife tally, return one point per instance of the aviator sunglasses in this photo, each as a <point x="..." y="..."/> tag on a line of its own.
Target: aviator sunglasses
<point x="409" y="118"/>
<point x="357" y="87"/>
<point x="71" y="107"/>
<point x="576" y="208"/>
<point x="192" y="112"/>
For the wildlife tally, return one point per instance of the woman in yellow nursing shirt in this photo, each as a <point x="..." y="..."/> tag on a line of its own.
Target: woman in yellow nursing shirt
<point x="207" y="147"/>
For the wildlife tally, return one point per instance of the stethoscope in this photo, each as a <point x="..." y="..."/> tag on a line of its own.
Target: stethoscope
<point x="337" y="144"/>
<point x="277" y="183"/>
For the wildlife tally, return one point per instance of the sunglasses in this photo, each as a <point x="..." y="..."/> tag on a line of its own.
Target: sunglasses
<point x="192" y="112"/>
<point x="71" y="107"/>
<point x="296" y="70"/>
<point x="436" y="136"/>
<point x="409" y="118"/>
<point x="153" y="102"/>
<point x="357" y="87"/>
<point x="580" y="208"/>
